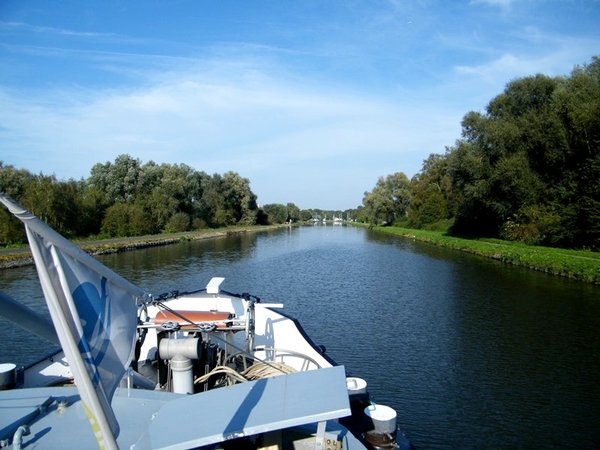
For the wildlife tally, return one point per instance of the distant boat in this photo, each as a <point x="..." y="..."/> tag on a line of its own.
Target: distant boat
<point x="201" y="369"/>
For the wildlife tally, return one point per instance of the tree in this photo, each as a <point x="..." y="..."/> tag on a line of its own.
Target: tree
<point x="578" y="105"/>
<point x="11" y="229"/>
<point x="491" y="168"/>
<point x="398" y="186"/>
<point x="119" y="181"/>
<point x="262" y="218"/>
<point x="38" y="197"/>
<point x="240" y="201"/>
<point x="388" y="200"/>
<point x="276" y="212"/>
<point x="379" y="207"/>
<point x="93" y="206"/>
<point x="124" y="219"/>
<point x="212" y="208"/>
<point x="293" y="212"/>
<point x="67" y="209"/>
<point x="305" y="215"/>
<point x="159" y="206"/>
<point x="13" y="182"/>
<point x="116" y="220"/>
<point x="58" y="203"/>
<point x="150" y="177"/>
<point x="431" y="199"/>
<point x="528" y="168"/>
<point x="182" y="184"/>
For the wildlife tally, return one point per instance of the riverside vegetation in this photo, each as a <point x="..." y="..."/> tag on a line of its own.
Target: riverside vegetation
<point x="525" y="173"/>
<point x="527" y="169"/>
<point x="576" y="264"/>
<point x="19" y="256"/>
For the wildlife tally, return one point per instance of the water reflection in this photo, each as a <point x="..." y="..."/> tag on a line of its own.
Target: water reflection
<point x="472" y="353"/>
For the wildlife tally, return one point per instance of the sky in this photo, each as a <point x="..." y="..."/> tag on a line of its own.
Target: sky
<point x="312" y="101"/>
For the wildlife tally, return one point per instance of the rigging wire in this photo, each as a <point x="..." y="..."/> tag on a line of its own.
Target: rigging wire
<point x="210" y="329"/>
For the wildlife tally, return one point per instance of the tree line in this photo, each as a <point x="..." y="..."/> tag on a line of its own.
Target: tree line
<point x="128" y="198"/>
<point x="527" y="169"/>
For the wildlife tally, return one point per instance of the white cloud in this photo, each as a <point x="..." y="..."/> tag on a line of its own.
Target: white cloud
<point x="503" y="68"/>
<point x="269" y="129"/>
<point x="360" y="96"/>
<point x="551" y="55"/>
<point x="20" y="26"/>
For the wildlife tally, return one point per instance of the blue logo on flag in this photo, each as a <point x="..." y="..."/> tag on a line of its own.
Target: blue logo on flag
<point x="93" y="310"/>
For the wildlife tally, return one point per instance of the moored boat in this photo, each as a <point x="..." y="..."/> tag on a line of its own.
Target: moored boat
<point x="201" y="369"/>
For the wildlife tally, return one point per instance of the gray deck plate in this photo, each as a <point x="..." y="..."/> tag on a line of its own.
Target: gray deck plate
<point x="158" y="420"/>
<point x="251" y="408"/>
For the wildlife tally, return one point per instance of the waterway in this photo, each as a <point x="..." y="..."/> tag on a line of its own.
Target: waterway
<point x="470" y="352"/>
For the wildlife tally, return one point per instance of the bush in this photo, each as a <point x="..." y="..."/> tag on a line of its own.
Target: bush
<point x="178" y="223"/>
<point x="123" y="220"/>
<point x="442" y="225"/>
<point x="199" y="224"/>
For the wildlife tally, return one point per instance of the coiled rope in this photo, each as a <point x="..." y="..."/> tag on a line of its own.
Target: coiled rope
<point x="255" y="372"/>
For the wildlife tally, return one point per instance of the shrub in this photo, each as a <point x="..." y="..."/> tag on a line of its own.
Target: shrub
<point x="178" y="222"/>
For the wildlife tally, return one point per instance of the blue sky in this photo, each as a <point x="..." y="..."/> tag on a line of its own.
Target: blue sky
<point x="311" y="101"/>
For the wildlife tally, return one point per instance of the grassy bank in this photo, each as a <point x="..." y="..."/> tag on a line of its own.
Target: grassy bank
<point x="576" y="264"/>
<point x="18" y="257"/>
<point x="579" y="265"/>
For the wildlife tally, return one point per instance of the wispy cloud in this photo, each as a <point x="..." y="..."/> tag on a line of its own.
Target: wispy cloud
<point x="503" y="68"/>
<point x="343" y="92"/>
<point x="116" y="56"/>
<point x="554" y="55"/>
<point x="218" y="119"/>
<point x="20" y="26"/>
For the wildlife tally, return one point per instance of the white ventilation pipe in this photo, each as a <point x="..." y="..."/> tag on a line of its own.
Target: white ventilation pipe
<point x="183" y="376"/>
<point x="189" y="348"/>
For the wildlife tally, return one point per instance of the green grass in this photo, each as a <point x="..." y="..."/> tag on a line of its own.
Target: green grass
<point x="17" y="256"/>
<point x="576" y="264"/>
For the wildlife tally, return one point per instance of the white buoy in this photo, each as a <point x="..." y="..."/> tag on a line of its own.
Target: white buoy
<point x="8" y="376"/>
<point x="381" y="425"/>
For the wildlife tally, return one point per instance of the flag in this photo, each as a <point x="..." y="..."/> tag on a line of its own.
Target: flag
<point x="94" y="311"/>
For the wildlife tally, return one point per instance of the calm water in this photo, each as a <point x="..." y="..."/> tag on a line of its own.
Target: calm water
<point x="470" y="352"/>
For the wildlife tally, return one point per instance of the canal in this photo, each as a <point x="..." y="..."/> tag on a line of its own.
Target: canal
<point x="470" y="352"/>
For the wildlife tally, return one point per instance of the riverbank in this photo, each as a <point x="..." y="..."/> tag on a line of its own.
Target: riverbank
<point x="576" y="264"/>
<point x="19" y="257"/>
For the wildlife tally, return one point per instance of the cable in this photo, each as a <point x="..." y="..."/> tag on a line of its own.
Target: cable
<point x="197" y="327"/>
<point x="259" y="371"/>
<point x="256" y="372"/>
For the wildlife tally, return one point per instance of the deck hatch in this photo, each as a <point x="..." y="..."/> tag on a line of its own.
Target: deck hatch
<point x="250" y="408"/>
